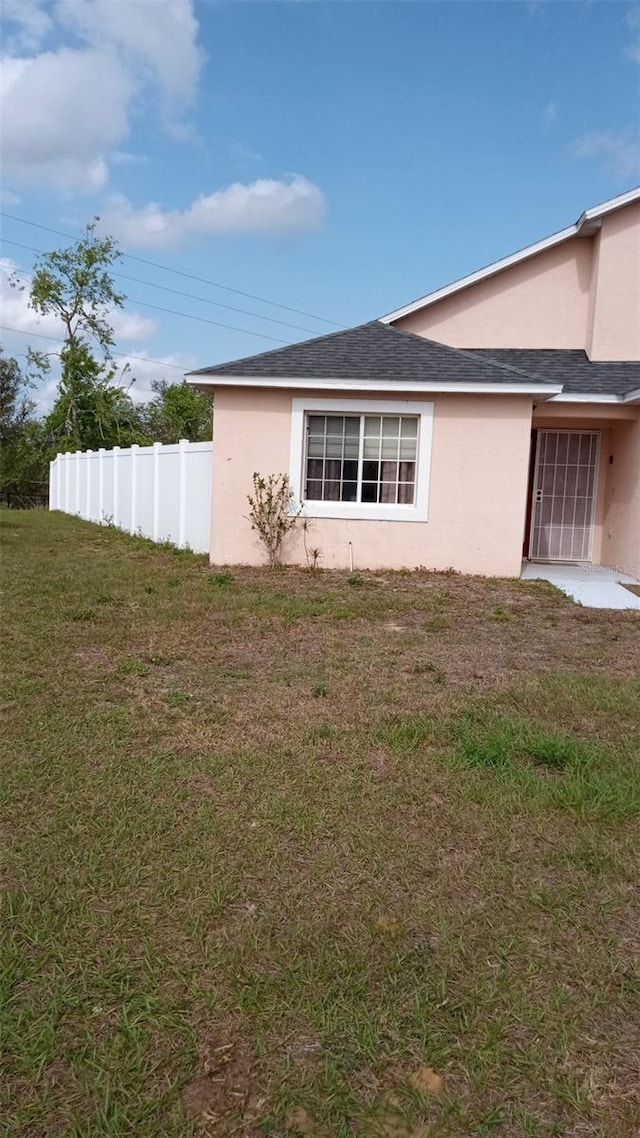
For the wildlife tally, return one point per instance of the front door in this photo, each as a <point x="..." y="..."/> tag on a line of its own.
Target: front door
<point x="564" y="495"/>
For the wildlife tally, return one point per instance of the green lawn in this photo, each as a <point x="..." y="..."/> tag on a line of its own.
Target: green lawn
<point x="302" y="853"/>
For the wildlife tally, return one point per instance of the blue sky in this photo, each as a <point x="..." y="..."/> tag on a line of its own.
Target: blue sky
<point x="337" y="158"/>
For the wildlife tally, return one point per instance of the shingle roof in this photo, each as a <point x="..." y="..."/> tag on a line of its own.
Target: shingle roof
<point x="573" y="369"/>
<point x="373" y="352"/>
<point x="380" y="352"/>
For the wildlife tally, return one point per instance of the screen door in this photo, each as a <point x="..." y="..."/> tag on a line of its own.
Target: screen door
<point x="564" y="495"/>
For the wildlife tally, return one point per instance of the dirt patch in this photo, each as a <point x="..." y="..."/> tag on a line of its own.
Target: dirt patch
<point x="222" y="1100"/>
<point x="93" y="657"/>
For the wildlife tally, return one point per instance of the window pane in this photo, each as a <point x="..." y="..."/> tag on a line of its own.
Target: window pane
<point x="388" y="467"/>
<point x="408" y="448"/>
<point x="334" y="447"/>
<point x="390" y="426"/>
<point x="390" y="447"/>
<point x="315" y="448"/>
<point x="371" y="447"/>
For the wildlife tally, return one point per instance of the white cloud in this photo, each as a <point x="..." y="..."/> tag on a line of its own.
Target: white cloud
<point x="30" y="22"/>
<point x="63" y="112"/>
<point x="619" y="151"/>
<point x="267" y="206"/>
<point x="18" y="314"/>
<point x="160" y="35"/>
<point x="548" y="115"/>
<point x="66" y="110"/>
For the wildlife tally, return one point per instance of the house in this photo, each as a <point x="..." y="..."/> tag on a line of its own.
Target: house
<point x="496" y="418"/>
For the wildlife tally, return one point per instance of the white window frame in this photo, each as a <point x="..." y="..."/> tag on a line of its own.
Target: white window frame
<point x="374" y="511"/>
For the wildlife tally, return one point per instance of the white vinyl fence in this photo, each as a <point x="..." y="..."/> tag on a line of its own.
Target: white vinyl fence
<point x="161" y="492"/>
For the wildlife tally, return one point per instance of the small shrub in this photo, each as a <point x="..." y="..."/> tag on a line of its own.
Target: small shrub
<point x="84" y="614"/>
<point x="355" y="580"/>
<point x="501" y="612"/>
<point x="222" y="580"/>
<point x="178" y="698"/>
<point x="321" y="691"/>
<point x="271" y="513"/>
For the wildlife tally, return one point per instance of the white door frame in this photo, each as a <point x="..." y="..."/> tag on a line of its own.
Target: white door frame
<point x="536" y="501"/>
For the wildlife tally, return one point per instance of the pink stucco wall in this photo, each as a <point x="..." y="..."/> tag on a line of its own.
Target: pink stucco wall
<point x="479" y="472"/>
<point x="613" y="332"/>
<point x="621" y="530"/>
<point x="583" y="293"/>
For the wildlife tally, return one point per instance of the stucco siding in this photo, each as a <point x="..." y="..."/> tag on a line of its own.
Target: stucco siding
<point x="541" y="303"/>
<point x="477" y="502"/>
<point x="621" y="530"/>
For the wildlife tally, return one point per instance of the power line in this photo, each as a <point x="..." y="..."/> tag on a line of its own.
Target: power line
<point x="180" y="292"/>
<point x="200" y="319"/>
<point x="58" y="340"/>
<point x="180" y="273"/>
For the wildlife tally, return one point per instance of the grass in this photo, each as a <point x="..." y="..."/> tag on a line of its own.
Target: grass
<point x="286" y="854"/>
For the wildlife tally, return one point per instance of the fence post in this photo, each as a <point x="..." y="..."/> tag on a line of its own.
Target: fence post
<point x="52" y="483"/>
<point x="66" y="481"/>
<point x="77" y="464"/>
<point x="134" y="486"/>
<point x="156" y="490"/>
<point x="101" y="485"/>
<point x="182" y="494"/>
<point x="116" y="463"/>
<point x="87" y="500"/>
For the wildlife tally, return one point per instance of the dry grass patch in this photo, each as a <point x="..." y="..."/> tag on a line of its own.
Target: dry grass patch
<point x="294" y="852"/>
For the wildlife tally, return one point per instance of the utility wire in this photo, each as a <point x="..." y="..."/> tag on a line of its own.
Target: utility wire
<point x="179" y="292"/>
<point x="180" y="273"/>
<point x="58" y="340"/>
<point x="190" y="316"/>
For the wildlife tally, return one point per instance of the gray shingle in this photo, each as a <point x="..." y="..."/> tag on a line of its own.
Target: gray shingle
<point x="379" y="352"/>
<point x="573" y="369"/>
<point x="373" y="352"/>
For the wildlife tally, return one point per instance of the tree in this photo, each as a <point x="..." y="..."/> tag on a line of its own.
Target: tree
<point x="90" y="411"/>
<point x="23" y="463"/>
<point x="75" y="284"/>
<point x="177" y="411"/>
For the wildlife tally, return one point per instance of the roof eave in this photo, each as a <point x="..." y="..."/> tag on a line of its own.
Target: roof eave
<point x="540" y="390"/>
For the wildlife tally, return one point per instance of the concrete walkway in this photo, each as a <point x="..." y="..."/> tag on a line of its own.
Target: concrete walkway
<point x="593" y="586"/>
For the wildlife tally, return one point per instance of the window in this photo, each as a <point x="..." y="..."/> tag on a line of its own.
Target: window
<point x="361" y="458"/>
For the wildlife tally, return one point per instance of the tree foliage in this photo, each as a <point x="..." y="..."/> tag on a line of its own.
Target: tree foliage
<point x="177" y="411"/>
<point x="23" y="463"/>
<point x="75" y="284"/>
<point x="93" y="408"/>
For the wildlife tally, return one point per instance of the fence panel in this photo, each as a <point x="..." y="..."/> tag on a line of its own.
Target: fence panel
<point x="161" y="492"/>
